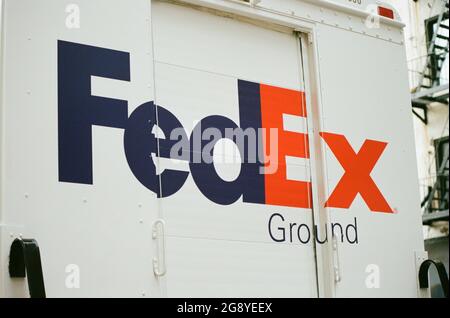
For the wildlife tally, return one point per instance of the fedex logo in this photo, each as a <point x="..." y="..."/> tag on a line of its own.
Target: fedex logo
<point x="260" y="137"/>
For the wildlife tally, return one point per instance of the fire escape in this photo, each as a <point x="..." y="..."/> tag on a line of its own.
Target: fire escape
<point x="432" y="88"/>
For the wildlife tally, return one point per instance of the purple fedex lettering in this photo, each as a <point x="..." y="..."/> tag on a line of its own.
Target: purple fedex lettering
<point x="78" y="111"/>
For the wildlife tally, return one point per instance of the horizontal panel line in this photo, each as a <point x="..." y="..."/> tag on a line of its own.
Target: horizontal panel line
<point x="224" y="75"/>
<point x="241" y="241"/>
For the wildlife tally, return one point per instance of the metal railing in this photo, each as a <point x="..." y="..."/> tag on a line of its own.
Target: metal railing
<point x="416" y="67"/>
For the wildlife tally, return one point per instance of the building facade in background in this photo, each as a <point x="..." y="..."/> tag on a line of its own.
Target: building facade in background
<point x="427" y="43"/>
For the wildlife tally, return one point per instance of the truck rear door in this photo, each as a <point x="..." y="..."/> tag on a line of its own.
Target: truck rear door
<point x="221" y="239"/>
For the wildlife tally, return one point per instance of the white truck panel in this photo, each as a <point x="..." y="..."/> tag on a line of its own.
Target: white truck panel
<point x="225" y="268"/>
<point x="226" y="47"/>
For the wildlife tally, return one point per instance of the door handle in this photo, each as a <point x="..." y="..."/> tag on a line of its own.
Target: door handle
<point x="442" y="273"/>
<point x="25" y="261"/>
<point x="158" y="234"/>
